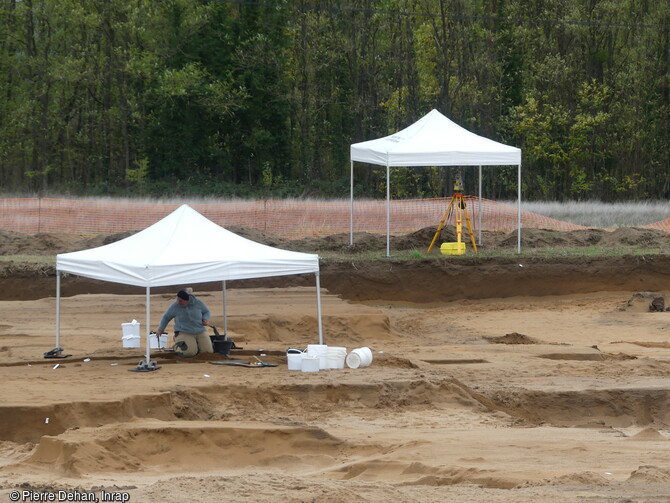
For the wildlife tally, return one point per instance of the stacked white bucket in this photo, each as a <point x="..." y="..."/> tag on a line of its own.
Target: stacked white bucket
<point x="322" y="357"/>
<point x="319" y="351"/>
<point x="131" y="336"/>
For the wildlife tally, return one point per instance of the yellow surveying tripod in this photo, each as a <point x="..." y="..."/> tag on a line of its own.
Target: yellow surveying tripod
<point x="458" y="203"/>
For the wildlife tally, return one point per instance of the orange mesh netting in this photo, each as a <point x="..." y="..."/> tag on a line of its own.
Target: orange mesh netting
<point x="291" y="219"/>
<point x="662" y="225"/>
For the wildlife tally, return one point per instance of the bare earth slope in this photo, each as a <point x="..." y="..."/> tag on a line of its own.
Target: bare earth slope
<point x="416" y="280"/>
<point x="522" y="378"/>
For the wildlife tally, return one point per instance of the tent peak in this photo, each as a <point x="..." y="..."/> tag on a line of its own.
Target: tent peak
<point x="184" y="247"/>
<point x="435" y="140"/>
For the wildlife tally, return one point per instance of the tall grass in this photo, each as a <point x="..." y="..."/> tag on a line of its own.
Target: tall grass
<point x="601" y="215"/>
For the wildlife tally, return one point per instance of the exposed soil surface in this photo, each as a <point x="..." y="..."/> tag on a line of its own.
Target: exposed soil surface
<point x="522" y="378"/>
<point x="437" y="278"/>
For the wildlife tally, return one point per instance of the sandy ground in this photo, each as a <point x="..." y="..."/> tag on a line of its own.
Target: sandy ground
<point x="510" y="380"/>
<point x="553" y="398"/>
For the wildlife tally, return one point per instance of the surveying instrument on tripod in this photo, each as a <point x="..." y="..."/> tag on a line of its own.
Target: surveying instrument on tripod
<point x="457" y="205"/>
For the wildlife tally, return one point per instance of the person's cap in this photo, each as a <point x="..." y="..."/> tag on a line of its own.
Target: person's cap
<point x="183" y="295"/>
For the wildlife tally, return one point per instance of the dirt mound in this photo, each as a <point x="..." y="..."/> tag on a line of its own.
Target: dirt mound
<point x="543" y="238"/>
<point x="539" y="238"/>
<point x="363" y="241"/>
<point x="648" y="434"/>
<point x="105" y="239"/>
<point x="653" y="474"/>
<point x="260" y="236"/>
<point x="644" y="302"/>
<point x="14" y="243"/>
<point x="153" y="445"/>
<point x="513" y="338"/>
<point x="634" y="236"/>
<point x="587" y="237"/>
<point x="582" y="478"/>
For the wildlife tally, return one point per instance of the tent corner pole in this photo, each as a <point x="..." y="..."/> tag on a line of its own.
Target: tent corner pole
<point x="57" y="309"/>
<point x="225" y="308"/>
<point x="479" y="212"/>
<point x="148" y="327"/>
<point x="318" y="305"/>
<point x="351" y="206"/>
<point x="388" y="207"/>
<point x="518" y="218"/>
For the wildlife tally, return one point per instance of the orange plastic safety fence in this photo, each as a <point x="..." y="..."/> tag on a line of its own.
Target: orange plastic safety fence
<point x="292" y="219"/>
<point x="662" y="225"/>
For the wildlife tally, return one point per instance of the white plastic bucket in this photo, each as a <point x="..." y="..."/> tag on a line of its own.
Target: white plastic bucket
<point x="316" y="349"/>
<point x="359" y="358"/>
<point x="335" y="356"/>
<point x="130" y="341"/>
<point x="130" y="334"/>
<point x="309" y="363"/>
<point x="294" y="359"/>
<point x="154" y="342"/>
<point x="320" y="351"/>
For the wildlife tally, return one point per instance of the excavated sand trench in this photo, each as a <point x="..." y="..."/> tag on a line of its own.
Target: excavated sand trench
<point x="456" y="394"/>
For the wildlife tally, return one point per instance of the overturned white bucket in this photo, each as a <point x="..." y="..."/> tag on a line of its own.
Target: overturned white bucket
<point x="130" y="334"/>
<point x="359" y="358"/>
<point x="294" y="359"/>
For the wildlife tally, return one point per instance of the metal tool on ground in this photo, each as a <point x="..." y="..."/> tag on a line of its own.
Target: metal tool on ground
<point x="240" y="363"/>
<point x="55" y="353"/>
<point x="456" y="204"/>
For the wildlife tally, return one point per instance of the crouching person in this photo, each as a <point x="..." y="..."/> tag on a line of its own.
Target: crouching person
<point x="191" y="316"/>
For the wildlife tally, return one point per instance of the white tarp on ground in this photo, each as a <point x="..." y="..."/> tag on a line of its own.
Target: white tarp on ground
<point x="184" y="247"/>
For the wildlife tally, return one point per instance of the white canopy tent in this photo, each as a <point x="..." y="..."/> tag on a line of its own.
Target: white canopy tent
<point x="433" y="140"/>
<point x="183" y="248"/>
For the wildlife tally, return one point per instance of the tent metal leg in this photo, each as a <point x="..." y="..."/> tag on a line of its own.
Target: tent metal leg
<point x="225" y="308"/>
<point x="351" y="206"/>
<point x="148" y="324"/>
<point x="57" y="352"/>
<point x="479" y="212"/>
<point x="388" y="208"/>
<point x="518" y="221"/>
<point x="318" y="305"/>
<point x="58" y="309"/>
<point x="147" y="365"/>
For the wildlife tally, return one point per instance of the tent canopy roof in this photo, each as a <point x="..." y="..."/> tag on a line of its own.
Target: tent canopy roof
<point x="184" y="247"/>
<point x="435" y="140"/>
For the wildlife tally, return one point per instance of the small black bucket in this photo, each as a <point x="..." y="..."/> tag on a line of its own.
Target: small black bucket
<point x="221" y="343"/>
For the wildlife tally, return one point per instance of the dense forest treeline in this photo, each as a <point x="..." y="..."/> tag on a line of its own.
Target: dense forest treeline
<point x="240" y="98"/>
